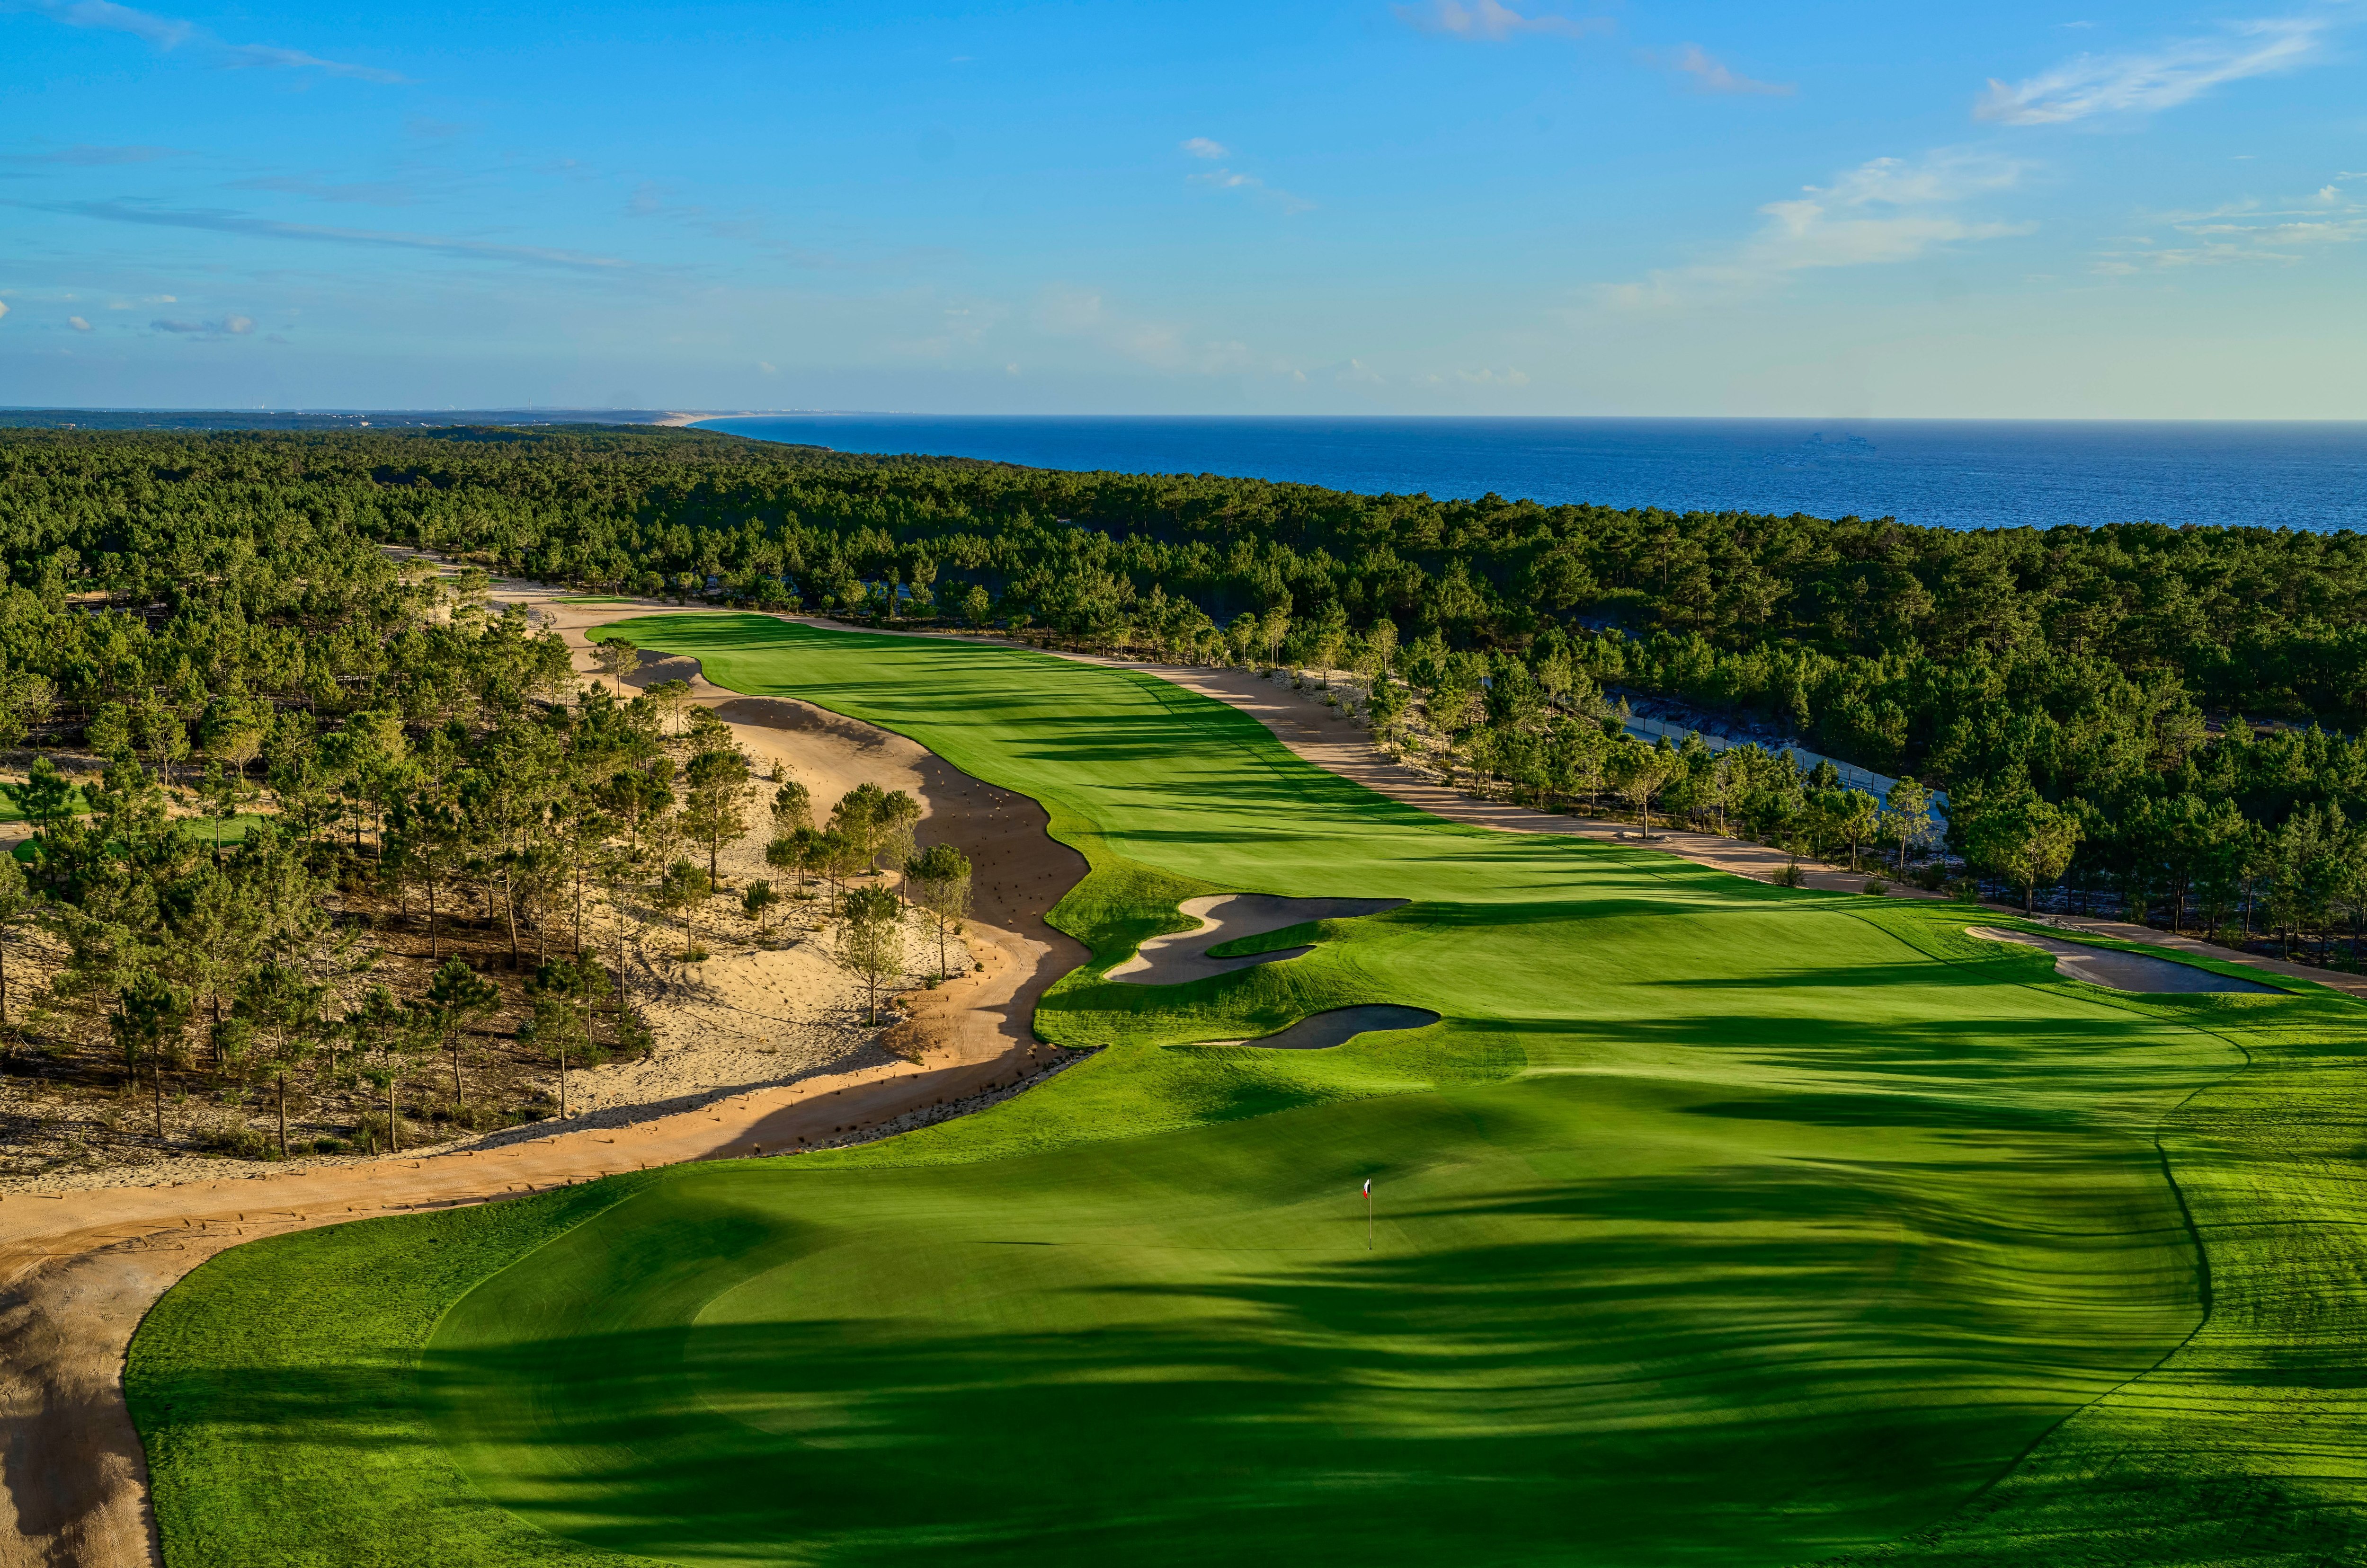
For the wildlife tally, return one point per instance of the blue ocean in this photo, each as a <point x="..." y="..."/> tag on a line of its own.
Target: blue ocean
<point x="1957" y="474"/>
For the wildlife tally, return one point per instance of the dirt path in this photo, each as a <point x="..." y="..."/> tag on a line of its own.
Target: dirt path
<point x="79" y="1270"/>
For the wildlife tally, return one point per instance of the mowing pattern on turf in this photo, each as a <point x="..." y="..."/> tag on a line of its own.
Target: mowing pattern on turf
<point x="1715" y="1224"/>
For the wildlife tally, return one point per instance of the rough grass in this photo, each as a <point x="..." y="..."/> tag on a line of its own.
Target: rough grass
<point x="1716" y="1224"/>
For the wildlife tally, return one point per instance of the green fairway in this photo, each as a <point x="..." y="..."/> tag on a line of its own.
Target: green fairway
<point x="12" y="801"/>
<point x="1715" y="1224"/>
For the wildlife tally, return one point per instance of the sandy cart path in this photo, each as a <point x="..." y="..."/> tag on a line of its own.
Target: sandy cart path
<point x="79" y="1270"/>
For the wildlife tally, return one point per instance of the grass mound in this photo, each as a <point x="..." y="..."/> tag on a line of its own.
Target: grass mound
<point x="1714" y="1223"/>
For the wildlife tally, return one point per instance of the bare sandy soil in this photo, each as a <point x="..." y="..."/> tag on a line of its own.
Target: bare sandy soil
<point x="758" y="1052"/>
<point x="1178" y="956"/>
<point x="1322" y="1031"/>
<point x="2122" y="971"/>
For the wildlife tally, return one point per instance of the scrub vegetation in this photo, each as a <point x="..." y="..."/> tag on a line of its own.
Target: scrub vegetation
<point x="1715" y="1222"/>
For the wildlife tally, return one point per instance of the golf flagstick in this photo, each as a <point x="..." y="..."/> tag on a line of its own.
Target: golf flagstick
<point x="1368" y="1213"/>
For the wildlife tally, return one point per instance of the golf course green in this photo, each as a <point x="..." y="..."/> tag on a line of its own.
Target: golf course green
<point x="1713" y="1222"/>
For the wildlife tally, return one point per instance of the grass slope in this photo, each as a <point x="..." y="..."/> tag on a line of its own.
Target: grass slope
<point x="1718" y="1223"/>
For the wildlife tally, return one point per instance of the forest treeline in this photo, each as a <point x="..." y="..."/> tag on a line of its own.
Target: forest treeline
<point x="2166" y="712"/>
<point x="318" y="822"/>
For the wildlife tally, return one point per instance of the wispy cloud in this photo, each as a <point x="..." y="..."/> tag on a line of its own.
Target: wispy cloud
<point x="226" y="326"/>
<point x="2285" y="231"/>
<point x="171" y="33"/>
<point x="369" y="193"/>
<point x="1711" y="76"/>
<point x="78" y="323"/>
<point x="222" y="222"/>
<point x="264" y="57"/>
<point x="1081" y="313"/>
<point x="1883" y="212"/>
<point x="104" y="15"/>
<point x="86" y="157"/>
<point x="1495" y="22"/>
<point x="1234" y="179"/>
<point x="1485" y="375"/>
<point x="2162" y="77"/>
<point x="951" y="327"/>
<point x="651" y="199"/>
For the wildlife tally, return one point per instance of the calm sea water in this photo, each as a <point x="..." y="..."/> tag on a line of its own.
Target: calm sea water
<point x="1960" y="474"/>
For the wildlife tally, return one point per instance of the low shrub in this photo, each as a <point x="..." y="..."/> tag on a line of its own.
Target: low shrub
<point x="1792" y="877"/>
<point x="240" y="1143"/>
<point x="1877" y="887"/>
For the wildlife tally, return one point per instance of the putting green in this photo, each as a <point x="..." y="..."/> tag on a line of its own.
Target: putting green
<point x="1714" y="1224"/>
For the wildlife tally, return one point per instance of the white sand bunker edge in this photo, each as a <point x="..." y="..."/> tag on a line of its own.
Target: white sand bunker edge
<point x="2117" y="971"/>
<point x="1337" y="1026"/>
<point x="1178" y="956"/>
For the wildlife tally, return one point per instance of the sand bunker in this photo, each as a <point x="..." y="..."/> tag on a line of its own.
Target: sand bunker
<point x="1179" y="956"/>
<point x="1320" y="1031"/>
<point x="2118" y="971"/>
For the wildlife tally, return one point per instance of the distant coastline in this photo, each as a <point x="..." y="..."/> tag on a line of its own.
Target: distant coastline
<point x="1960" y="474"/>
<point x="1948" y="473"/>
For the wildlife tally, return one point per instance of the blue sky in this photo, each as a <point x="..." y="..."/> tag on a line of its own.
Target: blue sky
<point x="1453" y="207"/>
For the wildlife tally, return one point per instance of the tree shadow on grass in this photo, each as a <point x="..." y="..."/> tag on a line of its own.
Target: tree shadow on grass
<point x="1673" y="1396"/>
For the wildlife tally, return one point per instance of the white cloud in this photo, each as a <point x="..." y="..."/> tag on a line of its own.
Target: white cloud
<point x="2247" y="231"/>
<point x="1711" y="76"/>
<point x="252" y="56"/>
<point x="2163" y="77"/>
<point x="1202" y="147"/>
<point x="1883" y="212"/>
<point x="171" y="32"/>
<point x="378" y="193"/>
<point x="4" y="307"/>
<point x="240" y="223"/>
<point x="1948" y="174"/>
<point x="77" y="323"/>
<point x="1234" y="181"/>
<point x="1493" y="21"/>
<point x="104" y="15"/>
